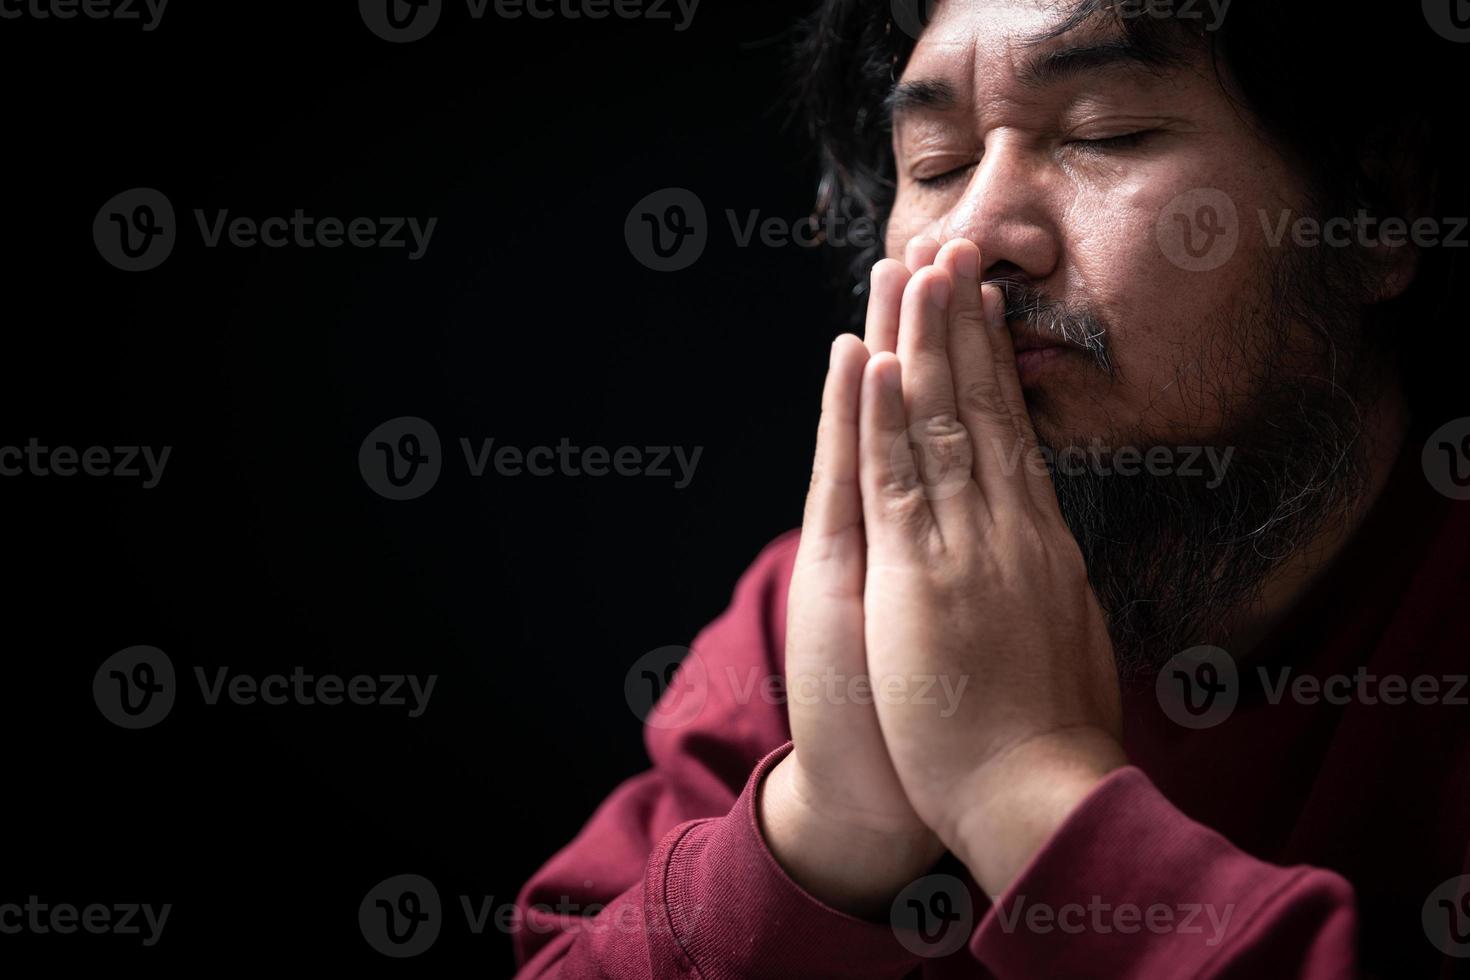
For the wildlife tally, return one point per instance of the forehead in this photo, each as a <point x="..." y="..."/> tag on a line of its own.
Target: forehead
<point x="973" y="47"/>
<point x="954" y="26"/>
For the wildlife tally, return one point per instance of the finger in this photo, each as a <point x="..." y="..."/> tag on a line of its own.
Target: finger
<point x="979" y="395"/>
<point x="896" y="511"/>
<point x="832" y="526"/>
<point x="825" y="603"/>
<point x="920" y="252"/>
<point x="941" y="445"/>
<point x="885" y="294"/>
<point x="1033" y="469"/>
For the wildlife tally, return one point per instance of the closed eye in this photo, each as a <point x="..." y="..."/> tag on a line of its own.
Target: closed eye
<point x="1120" y="142"/>
<point x="946" y="178"/>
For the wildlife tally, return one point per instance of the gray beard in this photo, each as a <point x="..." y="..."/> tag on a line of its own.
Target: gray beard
<point x="1175" y="558"/>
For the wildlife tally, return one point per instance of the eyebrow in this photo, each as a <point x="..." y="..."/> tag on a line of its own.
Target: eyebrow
<point x="1038" y="71"/>
<point x="931" y="94"/>
<point x="1123" y="54"/>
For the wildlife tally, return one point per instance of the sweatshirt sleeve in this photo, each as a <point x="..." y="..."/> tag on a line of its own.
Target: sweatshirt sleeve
<point x="671" y="877"/>
<point x="1129" y="886"/>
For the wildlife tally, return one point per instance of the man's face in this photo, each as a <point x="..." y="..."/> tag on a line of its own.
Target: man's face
<point x="1093" y="184"/>
<point x="1059" y="160"/>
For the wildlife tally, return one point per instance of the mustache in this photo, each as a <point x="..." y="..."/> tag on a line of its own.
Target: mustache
<point x="1039" y="313"/>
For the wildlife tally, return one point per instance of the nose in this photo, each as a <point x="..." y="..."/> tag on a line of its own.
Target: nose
<point x="1007" y="209"/>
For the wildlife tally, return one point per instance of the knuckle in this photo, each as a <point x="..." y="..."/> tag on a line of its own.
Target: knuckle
<point x="940" y="427"/>
<point x="982" y="395"/>
<point x="969" y="318"/>
<point x="903" y="503"/>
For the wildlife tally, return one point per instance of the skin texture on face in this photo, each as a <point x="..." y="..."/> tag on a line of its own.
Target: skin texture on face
<point x="1058" y="159"/>
<point x="1070" y="162"/>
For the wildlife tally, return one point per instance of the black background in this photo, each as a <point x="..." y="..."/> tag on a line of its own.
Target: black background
<point x="527" y="321"/>
<point x="262" y="548"/>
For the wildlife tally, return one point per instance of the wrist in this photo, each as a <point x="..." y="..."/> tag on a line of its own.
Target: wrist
<point x="856" y="868"/>
<point x="1010" y="808"/>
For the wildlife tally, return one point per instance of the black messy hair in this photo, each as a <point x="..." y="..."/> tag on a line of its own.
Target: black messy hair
<point x="1369" y="106"/>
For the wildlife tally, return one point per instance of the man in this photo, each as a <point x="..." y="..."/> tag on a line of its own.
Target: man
<point x="1121" y="636"/>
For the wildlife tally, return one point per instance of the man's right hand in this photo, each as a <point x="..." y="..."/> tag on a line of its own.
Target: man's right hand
<point x="833" y="811"/>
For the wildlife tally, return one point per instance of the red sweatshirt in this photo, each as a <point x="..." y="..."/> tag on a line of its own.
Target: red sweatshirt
<point x="1318" y="829"/>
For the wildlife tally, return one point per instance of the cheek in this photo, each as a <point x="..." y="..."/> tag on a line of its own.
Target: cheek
<point x="1170" y="322"/>
<point x="908" y="221"/>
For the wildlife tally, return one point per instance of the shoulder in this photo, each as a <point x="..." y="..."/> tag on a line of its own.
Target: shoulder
<point x="756" y="615"/>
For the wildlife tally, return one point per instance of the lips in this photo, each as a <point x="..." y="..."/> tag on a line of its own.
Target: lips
<point x="1027" y="340"/>
<point x="1035" y="353"/>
